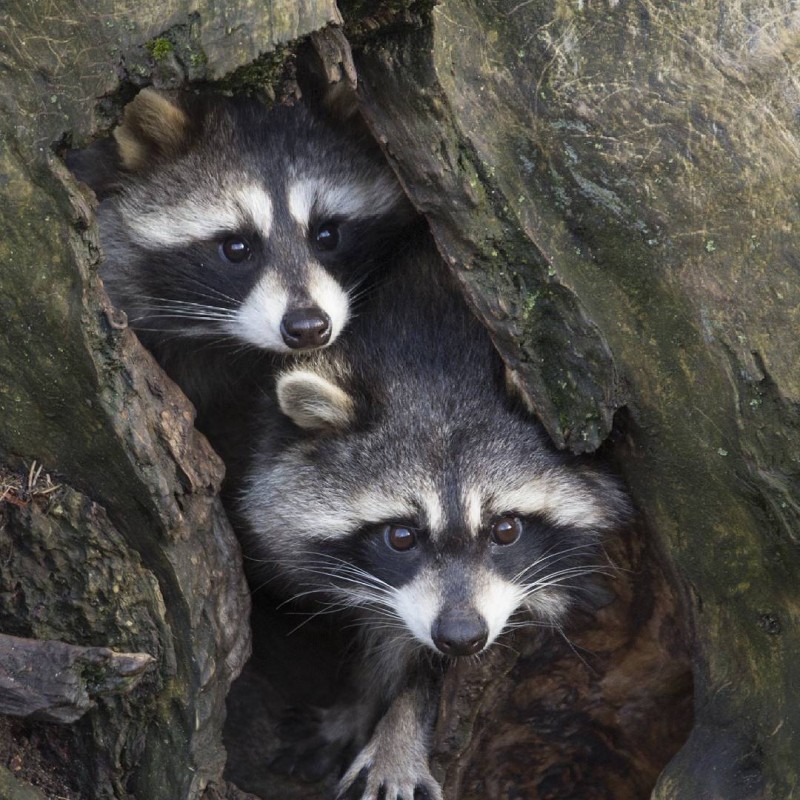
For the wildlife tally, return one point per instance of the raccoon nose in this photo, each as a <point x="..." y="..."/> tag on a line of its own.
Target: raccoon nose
<point x="459" y="633"/>
<point x="303" y="328"/>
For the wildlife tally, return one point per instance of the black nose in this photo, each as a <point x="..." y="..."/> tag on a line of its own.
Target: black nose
<point x="460" y="633"/>
<point x="305" y="327"/>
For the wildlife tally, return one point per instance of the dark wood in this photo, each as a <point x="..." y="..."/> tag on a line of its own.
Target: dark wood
<point x="133" y="551"/>
<point x="615" y="186"/>
<point x="57" y="682"/>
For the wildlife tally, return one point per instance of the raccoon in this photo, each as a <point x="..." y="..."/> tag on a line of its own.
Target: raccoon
<point x="230" y="228"/>
<point x="397" y="484"/>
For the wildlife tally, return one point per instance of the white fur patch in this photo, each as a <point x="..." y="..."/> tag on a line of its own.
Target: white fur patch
<point x="323" y="514"/>
<point x="256" y="205"/>
<point x="364" y="509"/>
<point x="179" y="225"/>
<point x="197" y="218"/>
<point x="327" y="294"/>
<point x="258" y="320"/>
<point x="368" y="508"/>
<point x="301" y="201"/>
<point x="417" y="604"/>
<point x="350" y="199"/>
<point x="548" y="604"/>
<point x="434" y="513"/>
<point x="496" y="600"/>
<point x="473" y="510"/>
<point x="555" y="495"/>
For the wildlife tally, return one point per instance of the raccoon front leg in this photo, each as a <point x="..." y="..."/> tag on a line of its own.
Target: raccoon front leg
<point x="394" y="763"/>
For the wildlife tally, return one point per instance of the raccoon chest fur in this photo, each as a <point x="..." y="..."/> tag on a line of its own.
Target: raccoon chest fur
<point x="397" y="483"/>
<point x="230" y="231"/>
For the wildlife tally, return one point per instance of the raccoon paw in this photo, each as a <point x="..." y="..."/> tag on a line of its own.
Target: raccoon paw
<point x="396" y="772"/>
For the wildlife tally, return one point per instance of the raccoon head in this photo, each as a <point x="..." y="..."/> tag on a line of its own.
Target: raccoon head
<point x="222" y="220"/>
<point x="436" y="519"/>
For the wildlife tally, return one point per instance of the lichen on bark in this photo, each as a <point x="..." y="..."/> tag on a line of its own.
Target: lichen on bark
<point x="615" y="187"/>
<point x="133" y="551"/>
<point x="647" y="155"/>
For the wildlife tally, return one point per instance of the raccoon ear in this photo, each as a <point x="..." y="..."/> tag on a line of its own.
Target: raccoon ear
<point x="153" y="127"/>
<point x="313" y="402"/>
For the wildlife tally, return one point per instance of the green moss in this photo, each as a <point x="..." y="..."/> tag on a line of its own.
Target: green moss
<point x="529" y="306"/>
<point x="174" y="57"/>
<point x="160" y="48"/>
<point x="261" y="76"/>
<point x="198" y="60"/>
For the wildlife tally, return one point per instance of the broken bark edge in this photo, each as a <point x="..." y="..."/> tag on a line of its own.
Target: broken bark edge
<point x="52" y="681"/>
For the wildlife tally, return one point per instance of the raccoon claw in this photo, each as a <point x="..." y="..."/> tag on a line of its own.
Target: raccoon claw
<point x="360" y="791"/>
<point x="369" y="778"/>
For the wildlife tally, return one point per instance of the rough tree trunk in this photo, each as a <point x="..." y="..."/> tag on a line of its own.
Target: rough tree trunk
<point x="132" y="550"/>
<point x="616" y="186"/>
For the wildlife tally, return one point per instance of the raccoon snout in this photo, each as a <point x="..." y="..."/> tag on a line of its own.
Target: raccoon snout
<point x="304" y="328"/>
<point x="460" y="633"/>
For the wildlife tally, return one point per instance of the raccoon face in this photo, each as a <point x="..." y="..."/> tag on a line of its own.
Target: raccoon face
<point x="439" y="524"/>
<point x="227" y="221"/>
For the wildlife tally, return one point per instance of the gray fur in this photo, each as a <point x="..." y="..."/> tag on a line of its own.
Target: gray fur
<point x="185" y="174"/>
<point x="431" y="440"/>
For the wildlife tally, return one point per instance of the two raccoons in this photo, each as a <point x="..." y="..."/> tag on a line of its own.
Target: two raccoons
<point x="391" y="478"/>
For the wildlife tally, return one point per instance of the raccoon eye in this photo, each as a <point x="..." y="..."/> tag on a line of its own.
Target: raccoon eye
<point x="235" y="249"/>
<point x="399" y="538"/>
<point x="327" y="236"/>
<point x="506" y="530"/>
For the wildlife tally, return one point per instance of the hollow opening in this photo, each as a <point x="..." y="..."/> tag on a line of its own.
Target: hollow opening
<point x="592" y="711"/>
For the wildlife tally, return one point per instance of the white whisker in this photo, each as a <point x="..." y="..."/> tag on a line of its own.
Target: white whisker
<point x="548" y="558"/>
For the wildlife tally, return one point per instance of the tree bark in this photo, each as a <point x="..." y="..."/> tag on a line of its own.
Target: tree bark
<point x="132" y="551"/>
<point x="615" y="187"/>
<point x="58" y="682"/>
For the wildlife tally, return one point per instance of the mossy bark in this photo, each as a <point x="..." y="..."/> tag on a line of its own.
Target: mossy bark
<point x="616" y="187"/>
<point x="126" y="546"/>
